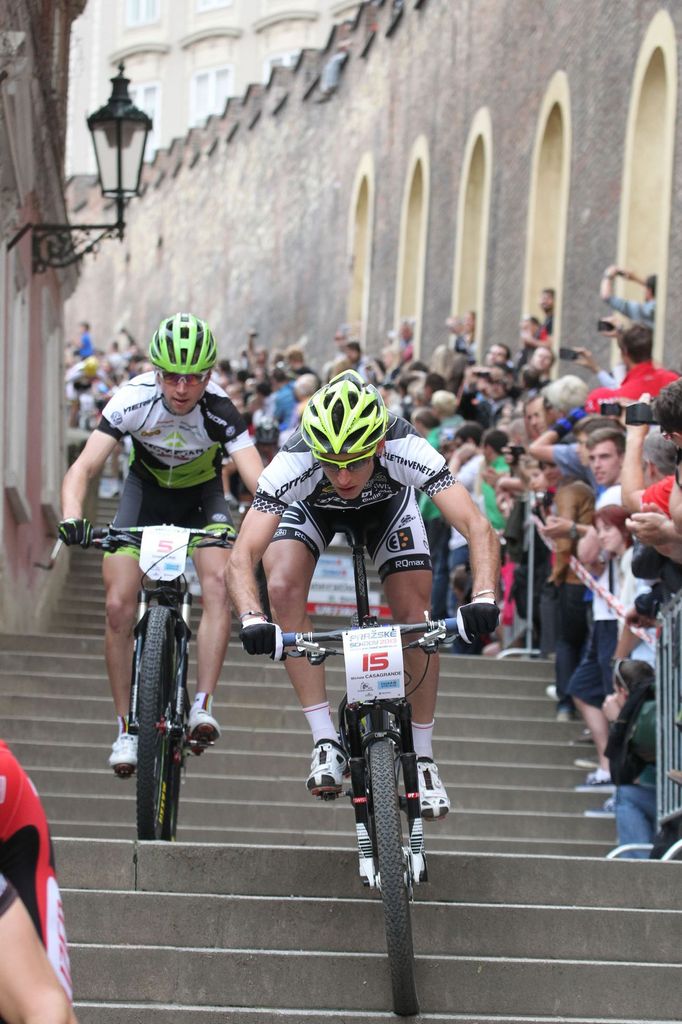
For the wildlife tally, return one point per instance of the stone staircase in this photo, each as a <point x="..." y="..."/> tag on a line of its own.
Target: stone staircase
<point x="257" y="914"/>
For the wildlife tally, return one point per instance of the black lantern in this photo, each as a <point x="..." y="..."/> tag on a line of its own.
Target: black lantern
<point x="119" y="134"/>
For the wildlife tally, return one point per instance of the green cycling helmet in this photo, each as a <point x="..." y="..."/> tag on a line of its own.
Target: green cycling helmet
<point x="183" y="344"/>
<point x="347" y="416"/>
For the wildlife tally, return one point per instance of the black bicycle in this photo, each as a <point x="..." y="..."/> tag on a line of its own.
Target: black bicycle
<point x="159" y="702"/>
<point x="376" y="732"/>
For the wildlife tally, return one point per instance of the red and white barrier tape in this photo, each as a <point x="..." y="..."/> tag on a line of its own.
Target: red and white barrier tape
<point x="614" y="604"/>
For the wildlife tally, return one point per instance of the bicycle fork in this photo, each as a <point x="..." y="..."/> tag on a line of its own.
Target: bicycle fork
<point x="416" y="870"/>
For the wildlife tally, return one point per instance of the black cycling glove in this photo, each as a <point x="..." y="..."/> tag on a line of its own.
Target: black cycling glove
<point x="75" y="531"/>
<point x="258" y="636"/>
<point x="477" y="619"/>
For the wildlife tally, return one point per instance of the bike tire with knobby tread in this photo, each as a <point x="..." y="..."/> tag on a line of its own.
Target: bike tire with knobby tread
<point x="155" y="751"/>
<point x="394" y="895"/>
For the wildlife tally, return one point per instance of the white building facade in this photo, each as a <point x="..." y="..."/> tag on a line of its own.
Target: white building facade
<point x="185" y="58"/>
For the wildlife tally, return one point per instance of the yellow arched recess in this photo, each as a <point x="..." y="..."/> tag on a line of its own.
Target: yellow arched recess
<point x="644" y="229"/>
<point x="414" y="220"/>
<point x="548" y="201"/>
<point x="360" y="234"/>
<point x="473" y="213"/>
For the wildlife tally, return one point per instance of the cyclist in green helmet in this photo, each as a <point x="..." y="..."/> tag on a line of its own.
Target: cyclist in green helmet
<point x="350" y="457"/>
<point x="181" y="423"/>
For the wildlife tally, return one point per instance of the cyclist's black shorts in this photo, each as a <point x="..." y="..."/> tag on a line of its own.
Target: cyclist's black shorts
<point x="146" y="504"/>
<point x="395" y="533"/>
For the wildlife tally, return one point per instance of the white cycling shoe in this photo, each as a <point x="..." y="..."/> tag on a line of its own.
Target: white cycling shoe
<point x="123" y="756"/>
<point x="433" y="796"/>
<point x="202" y="727"/>
<point x="327" y="769"/>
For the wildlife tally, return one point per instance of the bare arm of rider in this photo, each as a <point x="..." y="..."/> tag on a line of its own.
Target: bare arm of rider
<point x="30" y="992"/>
<point x="91" y="460"/>
<point x="255" y="533"/>
<point x="460" y="511"/>
<point x="249" y="466"/>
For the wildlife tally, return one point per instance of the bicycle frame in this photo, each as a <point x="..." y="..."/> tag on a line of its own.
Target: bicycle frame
<point x="362" y="724"/>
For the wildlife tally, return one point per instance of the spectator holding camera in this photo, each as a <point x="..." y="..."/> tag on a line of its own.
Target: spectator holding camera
<point x="642" y="375"/>
<point x="641" y="312"/>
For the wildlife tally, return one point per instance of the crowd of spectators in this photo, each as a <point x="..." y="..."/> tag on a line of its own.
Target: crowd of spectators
<point x="554" y="459"/>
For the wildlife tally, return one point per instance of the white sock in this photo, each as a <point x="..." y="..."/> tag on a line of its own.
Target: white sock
<point x="203" y="700"/>
<point x="422" y="737"/>
<point x="320" y="722"/>
<point x="122" y="724"/>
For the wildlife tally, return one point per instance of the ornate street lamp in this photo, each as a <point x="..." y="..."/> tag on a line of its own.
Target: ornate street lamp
<point x="119" y="133"/>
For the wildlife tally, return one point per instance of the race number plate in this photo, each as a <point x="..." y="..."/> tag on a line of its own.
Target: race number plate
<point x="374" y="663"/>
<point x="163" y="552"/>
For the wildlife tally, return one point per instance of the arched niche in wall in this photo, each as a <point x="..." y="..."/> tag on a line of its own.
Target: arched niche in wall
<point x="644" y="229"/>
<point x="548" y="201"/>
<point x="414" y="220"/>
<point x="360" y="235"/>
<point x="473" y="213"/>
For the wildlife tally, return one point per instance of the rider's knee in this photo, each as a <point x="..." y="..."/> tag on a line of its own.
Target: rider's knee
<point x="409" y="598"/>
<point x="120" y="611"/>
<point x="286" y="595"/>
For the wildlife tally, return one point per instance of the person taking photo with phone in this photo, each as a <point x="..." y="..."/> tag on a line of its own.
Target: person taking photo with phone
<point x="640" y="312"/>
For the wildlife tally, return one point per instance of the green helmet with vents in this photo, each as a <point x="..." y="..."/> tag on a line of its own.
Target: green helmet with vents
<point x="183" y="344"/>
<point x="345" y="417"/>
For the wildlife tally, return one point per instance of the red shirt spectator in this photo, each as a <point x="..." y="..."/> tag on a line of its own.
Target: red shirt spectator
<point x="659" y="494"/>
<point x="641" y="378"/>
<point x="636" y="346"/>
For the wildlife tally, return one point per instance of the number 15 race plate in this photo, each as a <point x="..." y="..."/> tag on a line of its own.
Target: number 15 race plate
<point x="374" y="663"/>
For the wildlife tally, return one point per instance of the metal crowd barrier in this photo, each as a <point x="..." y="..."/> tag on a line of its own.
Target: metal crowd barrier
<point x="668" y="704"/>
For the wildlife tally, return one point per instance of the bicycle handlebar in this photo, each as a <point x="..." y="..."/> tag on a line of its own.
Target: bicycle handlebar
<point x="117" y="536"/>
<point x="434" y="632"/>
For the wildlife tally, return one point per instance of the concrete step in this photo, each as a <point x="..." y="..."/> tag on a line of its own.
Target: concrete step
<point x="457" y="929"/>
<point x="266" y="791"/>
<point x="207" y="834"/>
<point x="140" y="1013"/>
<point x="534" y="668"/>
<point x="446" y="983"/>
<point x="471" y="716"/>
<point x="61" y="743"/>
<point x="279" y="870"/>
<point x="492" y="733"/>
<point x="272" y="778"/>
<point x="257" y="699"/>
<point x="40" y="673"/>
<point x="272" y="689"/>
<point x="294" y="816"/>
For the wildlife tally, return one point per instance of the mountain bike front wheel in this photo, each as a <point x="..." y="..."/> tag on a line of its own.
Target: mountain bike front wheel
<point x="392" y="869"/>
<point x="158" y="771"/>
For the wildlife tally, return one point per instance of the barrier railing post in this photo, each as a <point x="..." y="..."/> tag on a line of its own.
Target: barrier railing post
<point x="669" y="698"/>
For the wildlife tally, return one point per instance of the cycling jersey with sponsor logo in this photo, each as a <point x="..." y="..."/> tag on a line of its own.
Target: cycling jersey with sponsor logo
<point x="407" y="460"/>
<point x="174" y="450"/>
<point x="27" y="862"/>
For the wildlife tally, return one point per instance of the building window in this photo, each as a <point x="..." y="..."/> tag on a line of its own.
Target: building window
<point x="147" y="96"/>
<point x="211" y="5"/>
<point x="209" y="91"/>
<point x="141" y="12"/>
<point x="279" y="60"/>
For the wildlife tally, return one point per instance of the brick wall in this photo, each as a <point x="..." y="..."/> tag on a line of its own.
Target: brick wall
<point x="254" y="230"/>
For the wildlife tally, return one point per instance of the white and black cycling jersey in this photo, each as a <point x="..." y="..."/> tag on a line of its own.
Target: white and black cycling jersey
<point x="174" y="450"/>
<point x="407" y="460"/>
